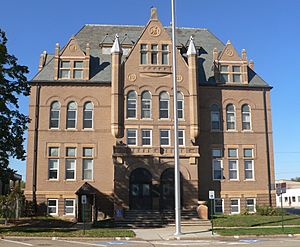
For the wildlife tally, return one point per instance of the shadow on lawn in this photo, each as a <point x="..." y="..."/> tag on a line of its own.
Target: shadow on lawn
<point x="277" y="221"/>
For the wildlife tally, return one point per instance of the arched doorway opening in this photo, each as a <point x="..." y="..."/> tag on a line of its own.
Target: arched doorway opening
<point x="167" y="189"/>
<point x="140" y="197"/>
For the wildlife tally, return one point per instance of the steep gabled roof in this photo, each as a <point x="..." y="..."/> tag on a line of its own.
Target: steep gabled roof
<point x="104" y="35"/>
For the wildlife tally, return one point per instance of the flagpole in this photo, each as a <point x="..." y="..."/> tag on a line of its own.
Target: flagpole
<point x="176" y="154"/>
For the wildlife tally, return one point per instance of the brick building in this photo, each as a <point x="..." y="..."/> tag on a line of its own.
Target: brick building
<point x="101" y="110"/>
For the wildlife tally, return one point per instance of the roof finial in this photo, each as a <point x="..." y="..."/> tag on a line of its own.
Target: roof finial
<point x="192" y="48"/>
<point x="116" y="48"/>
<point x="153" y="13"/>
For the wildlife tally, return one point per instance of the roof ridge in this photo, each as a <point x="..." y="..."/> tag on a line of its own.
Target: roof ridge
<point x="122" y="25"/>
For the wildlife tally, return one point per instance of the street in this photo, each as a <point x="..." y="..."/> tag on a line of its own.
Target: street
<point x="267" y="242"/>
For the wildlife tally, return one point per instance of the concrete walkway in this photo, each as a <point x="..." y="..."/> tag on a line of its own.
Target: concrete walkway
<point x="167" y="233"/>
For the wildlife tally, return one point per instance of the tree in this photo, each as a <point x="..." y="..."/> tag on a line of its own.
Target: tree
<point x="296" y="179"/>
<point x="13" y="83"/>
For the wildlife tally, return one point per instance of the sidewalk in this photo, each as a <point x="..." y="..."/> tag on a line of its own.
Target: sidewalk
<point x="167" y="233"/>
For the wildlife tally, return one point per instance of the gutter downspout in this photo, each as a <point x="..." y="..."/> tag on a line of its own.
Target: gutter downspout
<point x="267" y="147"/>
<point x="36" y="127"/>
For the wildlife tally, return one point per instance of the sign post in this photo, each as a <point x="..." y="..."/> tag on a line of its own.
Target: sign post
<point x="83" y="203"/>
<point x="280" y="189"/>
<point x="211" y="196"/>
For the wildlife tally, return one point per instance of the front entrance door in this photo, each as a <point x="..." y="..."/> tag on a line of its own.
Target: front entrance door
<point x="140" y="196"/>
<point x="167" y="190"/>
<point x="85" y="211"/>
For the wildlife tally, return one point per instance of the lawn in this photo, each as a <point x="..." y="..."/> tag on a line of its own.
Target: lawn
<point x="63" y="232"/>
<point x="254" y="220"/>
<point x="257" y="231"/>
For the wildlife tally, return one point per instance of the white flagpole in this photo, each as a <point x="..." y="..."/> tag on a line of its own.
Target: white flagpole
<point x="176" y="154"/>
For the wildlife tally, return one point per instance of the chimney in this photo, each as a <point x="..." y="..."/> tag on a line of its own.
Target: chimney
<point x="43" y="57"/>
<point x="251" y="64"/>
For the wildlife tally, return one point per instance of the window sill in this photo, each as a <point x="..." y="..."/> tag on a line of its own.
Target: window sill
<point x="88" y="129"/>
<point x="247" y="131"/>
<point x="70" y="180"/>
<point x="164" y="119"/>
<point x="54" y="129"/>
<point x="249" y="180"/>
<point x="231" y="131"/>
<point x="216" y="131"/>
<point x="53" y="180"/>
<point x="71" y="129"/>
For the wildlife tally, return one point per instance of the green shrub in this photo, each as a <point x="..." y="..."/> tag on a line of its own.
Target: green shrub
<point x="268" y="211"/>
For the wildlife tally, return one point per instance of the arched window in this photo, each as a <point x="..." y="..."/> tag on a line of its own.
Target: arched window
<point x="215" y="117"/>
<point x="88" y="110"/>
<point x="180" y="105"/>
<point x="246" y="117"/>
<point x="164" y="105"/>
<point x="146" y="104"/>
<point x="54" y="115"/>
<point x="230" y="117"/>
<point x="131" y="104"/>
<point x="71" y="115"/>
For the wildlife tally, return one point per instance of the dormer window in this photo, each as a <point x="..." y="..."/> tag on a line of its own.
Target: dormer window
<point x="71" y="70"/>
<point x="230" y="73"/>
<point x="154" y="54"/>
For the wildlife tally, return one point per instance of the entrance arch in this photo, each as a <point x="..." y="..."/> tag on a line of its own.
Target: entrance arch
<point x="167" y="189"/>
<point x="140" y="193"/>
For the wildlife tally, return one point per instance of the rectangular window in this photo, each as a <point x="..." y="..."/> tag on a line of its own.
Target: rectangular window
<point x="236" y="69"/>
<point x="144" y="54"/>
<point x="65" y="70"/>
<point x="131" y="137"/>
<point x="165" y="54"/>
<point x="224" y="73"/>
<point x="69" y="206"/>
<point x="78" y="70"/>
<point x="217" y="169"/>
<point x="70" y="169"/>
<point x="248" y="152"/>
<point x="53" y="163"/>
<point x="164" y="137"/>
<point x="71" y="152"/>
<point x="215" y="120"/>
<point x="293" y="199"/>
<point x="233" y="169"/>
<point x="298" y="198"/>
<point x="236" y="78"/>
<point x="87" y="164"/>
<point x="216" y="152"/>
<point x="219" y="206"/>
<point x="181" y="137"/>
<point x="146" y="137"/>
<point x="52" y="206"/>
<point x="234" y="206"/>
<point x="232" y="152"/>
<point x="249" y="174"/>
<point x="154" y="54"/>
<point x="251" y="205"/>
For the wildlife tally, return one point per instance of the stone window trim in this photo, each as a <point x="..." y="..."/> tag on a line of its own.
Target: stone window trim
<point x="52" y="206"/>
<point x="71" y="116"/>
<point x="71" y="69"/>
<point x="146" y="105"/>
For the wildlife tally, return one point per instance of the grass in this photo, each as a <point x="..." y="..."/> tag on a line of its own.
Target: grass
<point x="63" y="232"/>
<point x="254" y="220"/>
<point x="257" y="231"/>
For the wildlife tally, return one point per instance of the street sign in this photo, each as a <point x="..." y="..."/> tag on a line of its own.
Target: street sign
<point x="211" y="194"/>
<point x="280" y="188"/>
<point x="83" y="199"/>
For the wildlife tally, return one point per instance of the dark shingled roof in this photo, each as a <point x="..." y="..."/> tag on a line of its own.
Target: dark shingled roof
<point x="100" y="69"/>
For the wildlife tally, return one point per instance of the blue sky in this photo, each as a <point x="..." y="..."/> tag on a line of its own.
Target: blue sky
<point x="268" y="30"/>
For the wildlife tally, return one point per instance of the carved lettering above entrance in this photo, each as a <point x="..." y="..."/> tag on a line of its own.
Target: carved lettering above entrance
<point x="154" y="31"/>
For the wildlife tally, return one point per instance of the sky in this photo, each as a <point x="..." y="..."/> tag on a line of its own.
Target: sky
<point x="269" y="30"/>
